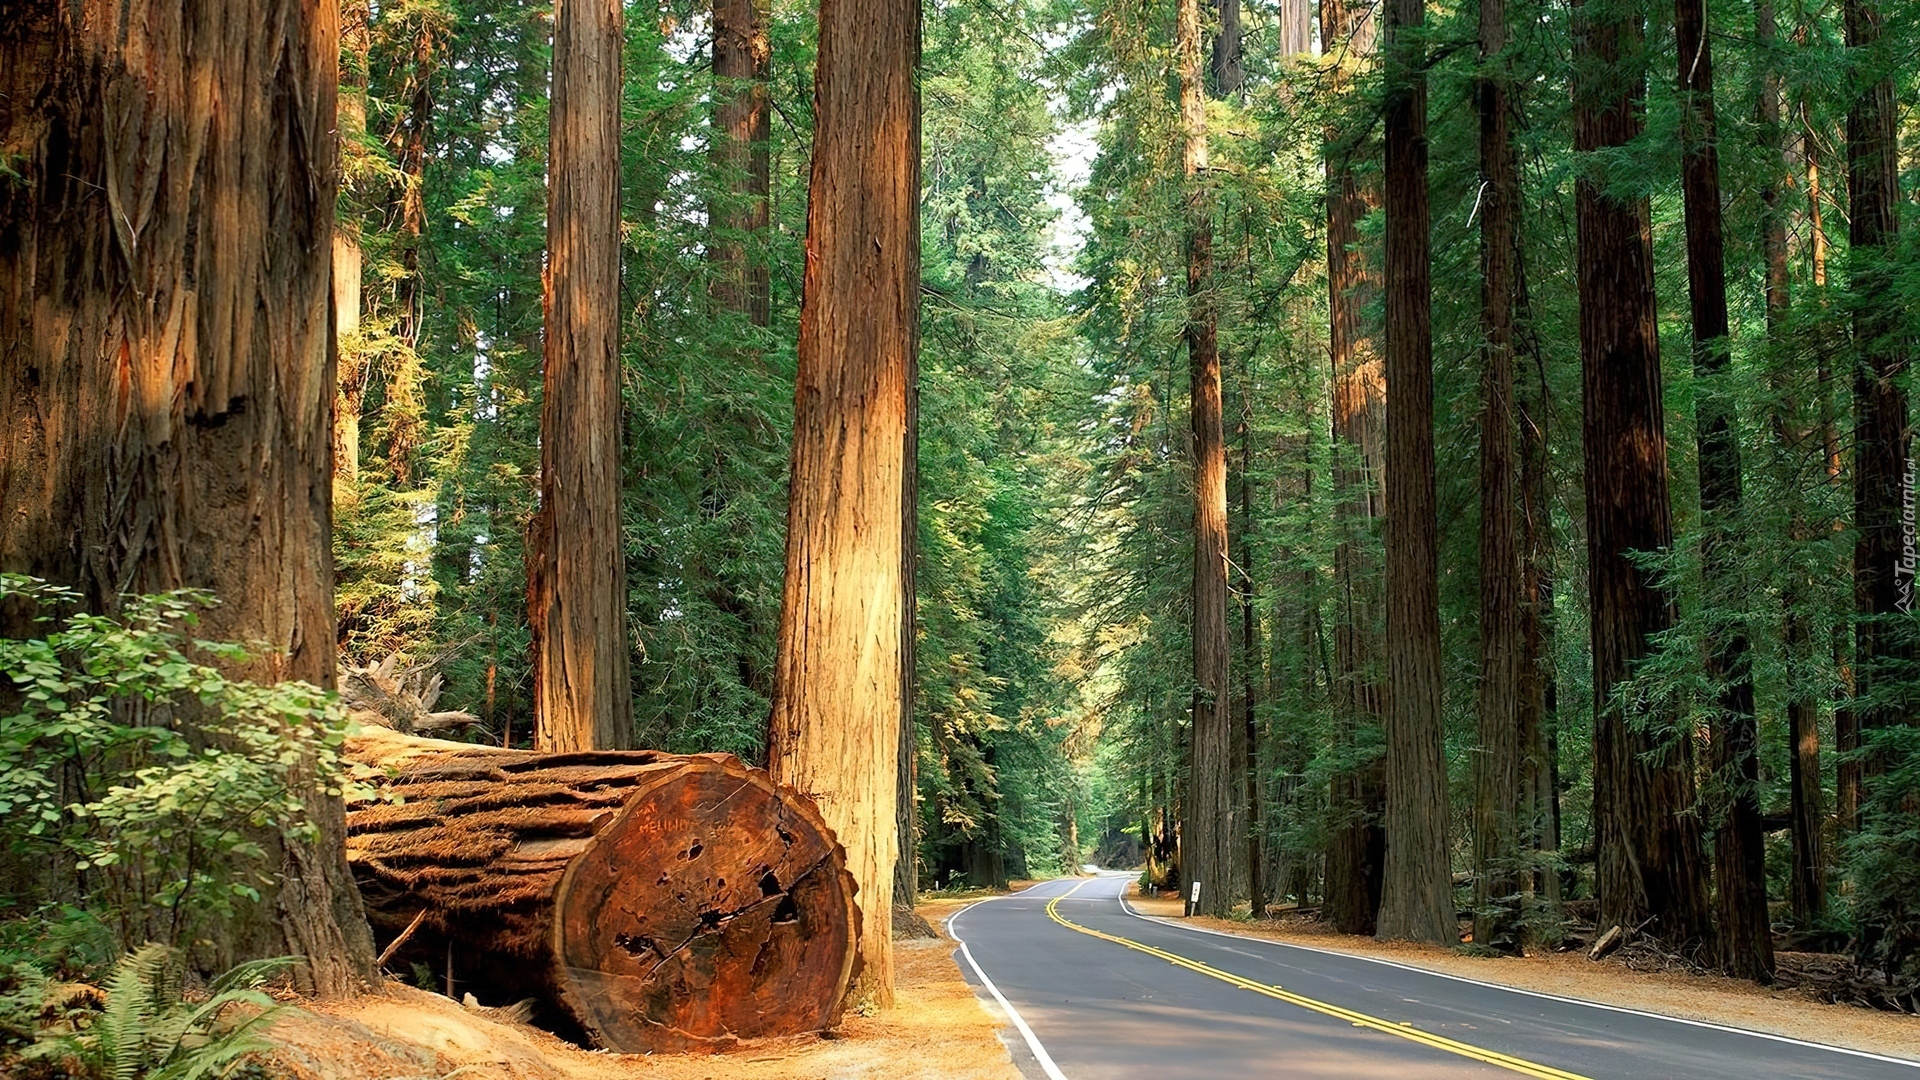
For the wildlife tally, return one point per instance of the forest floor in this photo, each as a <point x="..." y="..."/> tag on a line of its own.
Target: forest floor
<point x="1795" y="1013"/>
<point x="937" y="1030"/>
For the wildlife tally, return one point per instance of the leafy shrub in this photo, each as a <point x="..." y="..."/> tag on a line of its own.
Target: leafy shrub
<point x="1886" y="859"/>
<point x="69" y="944"/>
<point x="23" y="991"/>
<point x="154" y="781"/>
<point x="147" y="1028"/>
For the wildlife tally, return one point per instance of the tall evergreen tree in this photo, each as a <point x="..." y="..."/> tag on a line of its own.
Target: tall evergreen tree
<point x="164" y="285"/>
<point x="1207" y="824"/>
<point x="1357" y="845"/>
<point x="1883" y="649"/>
<point x="1416" y="900"/>
<point x="1651" y="868"/>
<point x="1745" y="942"/>
<point x="576" y="563"/>
<point x="837" y="696"/>
<point x="1497" y="761"/>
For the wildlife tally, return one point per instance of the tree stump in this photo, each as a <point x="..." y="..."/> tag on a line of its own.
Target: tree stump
<point x="653" y="901"/>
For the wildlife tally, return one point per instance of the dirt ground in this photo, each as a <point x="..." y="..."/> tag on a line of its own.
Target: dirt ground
<point x="938" y="1030"/>
<point x="1793" y="1013"/>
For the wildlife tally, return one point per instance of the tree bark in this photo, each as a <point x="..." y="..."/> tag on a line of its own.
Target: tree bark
<point x="658" y="903"/>
<point x="1807" y="880"/>
<point x="1538" y="725"/>
<point x="1807" y="875"/>
<point x="739" y="216"/>
<point x="1357" y="844"/>
<point x="351" y="376"/>
<point x="168" y="379"/>
<point x="1745" y="936"/>
<point x="1207" y="830"/>
<point x="1250" y="655"/>
<point x="1229" y="58"/>
<point x="906" y="874"/>
<point x="576" y="565"/>
<point x="742" y="129"/>
<point x="1296" y="28"/>
<point x="1846" y="722"/>
<point x="1883" y="576"/>
<point x="1497" y="764"/>
<point x="1416" y="900"/>
<point x="835" y="730"/>
<point x="1651" y="866"/>
<point x="410" y="161"/>
<point x="1773" y="221"/>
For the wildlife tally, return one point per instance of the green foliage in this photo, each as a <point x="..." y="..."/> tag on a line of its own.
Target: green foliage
<point x="1054" y="667"/>
<point x="1885" y="857"/>
<point x="64" y="942"/>
<point x="23" y="993"/>
<point x="133" y="767"/>
<point x="148" y="1028"/>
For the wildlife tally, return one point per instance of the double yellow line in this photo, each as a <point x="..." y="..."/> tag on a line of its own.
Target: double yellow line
<point x="1357" y="1019"/>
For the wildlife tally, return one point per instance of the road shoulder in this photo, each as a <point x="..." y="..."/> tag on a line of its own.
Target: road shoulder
<point x="1708" y="999"/>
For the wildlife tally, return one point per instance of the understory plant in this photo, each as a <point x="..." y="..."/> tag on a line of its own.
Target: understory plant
<point x="138" y="779"/>
<point x="1886" y="864"/>
<point x="149" y="1028"/>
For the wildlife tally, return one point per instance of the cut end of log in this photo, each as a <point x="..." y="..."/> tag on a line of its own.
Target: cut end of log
<point x="659" y="902"/>
<point x="743" y="932"/>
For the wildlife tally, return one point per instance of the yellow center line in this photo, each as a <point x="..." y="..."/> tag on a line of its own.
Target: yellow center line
<point x="1357" y="1019"/>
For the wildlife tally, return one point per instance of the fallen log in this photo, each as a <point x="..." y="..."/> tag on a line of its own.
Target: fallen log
<point x="652" y="901"/>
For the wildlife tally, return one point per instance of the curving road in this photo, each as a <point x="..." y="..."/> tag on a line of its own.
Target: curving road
<point x="1094" y="991"/>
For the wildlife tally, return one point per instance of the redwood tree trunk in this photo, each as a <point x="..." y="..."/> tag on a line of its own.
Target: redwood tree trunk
<point x="1773" y="221"/>
<point x="1745" y="942"/>
<point x="410" y="194"/>
<point x="1229" y="60"/>
<point x="1296" y="27"/>
<point x="1357" y="845"/>
<point x="1416" y="901"/>
<point x="835" y="729"/>
<point x="576" y="565"/>
<point x="1538" y="724"/>
<point x="352" y="368"/>
<point x="1496" y="766"/>
<point x="739" y="218"/>
<point x="168" y="376"/>
<point x="1806" y="876"/>
<point x="1207" y="831"/>
<point x="1883" y="585"/>
<point x="742" y="58"/>
<point x="1250" y="656"/>
<point x="1650" y="861"/>
<point x="906" y="874"/>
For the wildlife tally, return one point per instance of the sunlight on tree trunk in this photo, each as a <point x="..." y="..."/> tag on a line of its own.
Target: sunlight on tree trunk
<point x="576" y="557"/>
<point x="835" y="732"/>
<point x="168" y="385"/>
<point x="1356" y="845"/>
<point x="1207" y="833"/>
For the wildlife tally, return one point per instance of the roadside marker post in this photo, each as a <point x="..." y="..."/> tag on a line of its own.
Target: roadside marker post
<point x="1193" y="901"/>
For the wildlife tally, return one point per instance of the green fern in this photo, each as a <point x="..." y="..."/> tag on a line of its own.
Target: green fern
<point x="149" y="1031"/>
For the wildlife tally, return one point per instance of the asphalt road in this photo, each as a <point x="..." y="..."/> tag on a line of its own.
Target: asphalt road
<point x="1095" y="991"/>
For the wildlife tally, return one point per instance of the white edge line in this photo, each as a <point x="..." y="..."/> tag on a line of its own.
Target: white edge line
<point x="1033" y="1041"/>
<point x="1529" y="993"/>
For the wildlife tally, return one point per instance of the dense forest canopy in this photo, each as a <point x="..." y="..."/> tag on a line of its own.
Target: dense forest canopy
<point x="1054" y="680"/>
<point x="1367" y="458"/>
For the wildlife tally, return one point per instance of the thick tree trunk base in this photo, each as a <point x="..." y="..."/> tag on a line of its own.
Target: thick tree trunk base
<point x="655" y="902"/>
